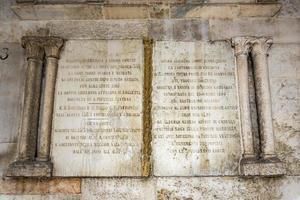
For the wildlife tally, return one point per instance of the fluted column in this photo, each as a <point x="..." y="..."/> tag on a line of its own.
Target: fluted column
<point x="52" y="46"/>
<point x="29" y="124"/>
<point x="260" y="47"/>
<point x="241" y="48"/>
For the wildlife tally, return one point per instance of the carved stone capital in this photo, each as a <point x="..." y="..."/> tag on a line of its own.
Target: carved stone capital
<point x="52" y="46"/>
<point x="33" y="47"/>
<point x="241" y="45"/>
<point x="261" y="45"/>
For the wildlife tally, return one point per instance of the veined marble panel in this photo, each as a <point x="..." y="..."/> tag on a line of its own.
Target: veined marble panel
<point x="97" y="127"/>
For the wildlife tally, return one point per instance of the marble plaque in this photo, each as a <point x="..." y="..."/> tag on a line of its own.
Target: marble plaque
<point x="97" y="127"/>
<point x="195" y="109"/>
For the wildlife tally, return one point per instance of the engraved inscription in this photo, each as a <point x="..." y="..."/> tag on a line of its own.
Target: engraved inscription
<point x="195" y="109"/>
<point x="4" y="54"/>
<point x="98" y="111"/>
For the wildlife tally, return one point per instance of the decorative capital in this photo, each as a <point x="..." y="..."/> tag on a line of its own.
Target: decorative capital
<point x="52" y="46"/>
<point x="261" y="45"/>
<point x="241" y="45"/>
<point x="33" y="46"/>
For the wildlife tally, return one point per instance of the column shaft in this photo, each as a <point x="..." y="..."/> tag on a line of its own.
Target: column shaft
<point x="241" y="48"/>
<point x="31" y="102"/>
<point x="52" y="48"/>
<point x="263" y="98"/>
<point x="245" y="115"/>
<point x="47" y="111"/>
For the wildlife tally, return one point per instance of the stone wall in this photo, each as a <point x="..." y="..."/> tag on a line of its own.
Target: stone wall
<point x="176" y="20"/>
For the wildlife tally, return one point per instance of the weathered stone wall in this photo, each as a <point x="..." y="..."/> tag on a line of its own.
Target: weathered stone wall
<point x="178" y="20"/>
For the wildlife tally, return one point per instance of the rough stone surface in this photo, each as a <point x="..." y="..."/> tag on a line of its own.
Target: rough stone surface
<point x="266" y="168"/>
<point x="62" y="12"/>
<point x="275" y="27"/>
<point x="290" y="8"/>
<point x="192" y="188"/>
<point x="31" y="186"/>
<point x="29" y="169"/>
<point x="113" y="29"/>
<point x="179" y="30"/>
<point x="7" y="155"/>
<point x="134" y="189"/>
<point x="40" y="197"/>
<point x="224" y="11"/>
<point x="284" y="61"/>
<point x="11" y="90"/>
<point x="123" y="12"/>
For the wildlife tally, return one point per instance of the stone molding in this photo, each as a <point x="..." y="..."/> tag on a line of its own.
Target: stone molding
<point x="142" y="10"/>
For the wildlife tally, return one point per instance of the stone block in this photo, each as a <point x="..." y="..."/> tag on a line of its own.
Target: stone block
<point x="159" y="11"/>
<point x="224" y="11"/>
<point x="33" y="186"/>
<point x="111" y="29"/>
<point x="290" y="9"/>
<point x="227" y="188"/>
<point x="179" y="30"/>
<point x="231" y="1"/>
<point x="126" y="12"/>
<point x="58" y="11"/>
<point x="284" y="64"/>
<point x="30" y="169"/>
<point x="262" y="168"/>
<point x="205" y="11"/>
<point x="259" y="10"/>
<point x="145" y="1"/>
<point x="275" y="27"/>
<point x="115" y="189"/>
<point x="13" y="31"/>
<point x="284" y="61"/>
<point x="40" y="197"/>
<point x="11" y="90"/>
<point x="7" y="155"/>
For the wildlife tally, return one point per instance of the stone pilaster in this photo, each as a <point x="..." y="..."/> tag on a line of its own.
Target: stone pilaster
<point x="34" y="144"/>
<point x="52" y="46"/>
<point x="29" y="124"/>
<point x="260" y="47"/>
<point x="267" y="164"/>
<point x="241" y="49"/>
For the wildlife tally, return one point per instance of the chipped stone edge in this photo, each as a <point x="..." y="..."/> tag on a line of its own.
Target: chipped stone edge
<point x="147" y="104"/>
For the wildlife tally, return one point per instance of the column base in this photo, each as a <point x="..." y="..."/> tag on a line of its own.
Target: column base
<point x="268" y="167"/>
<point x="30" y="169"/>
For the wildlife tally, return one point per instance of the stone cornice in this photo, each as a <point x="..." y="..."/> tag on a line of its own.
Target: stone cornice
<point x="98" y="11"/>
